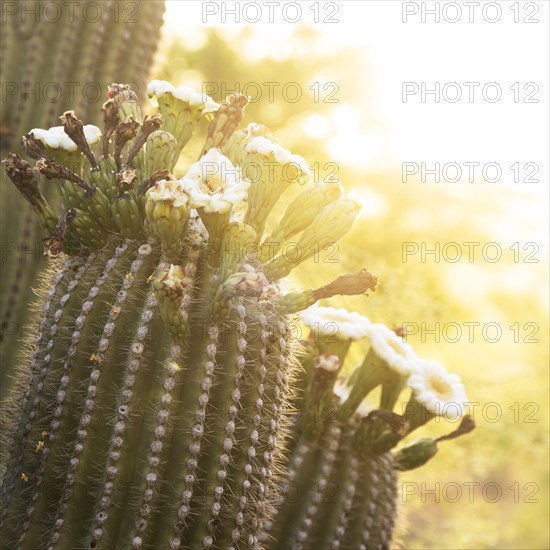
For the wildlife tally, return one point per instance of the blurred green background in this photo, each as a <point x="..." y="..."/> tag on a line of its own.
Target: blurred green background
<point x="486" y="490"/>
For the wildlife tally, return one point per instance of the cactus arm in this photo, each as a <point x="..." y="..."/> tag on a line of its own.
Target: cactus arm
<point x="25" y="114"/>
<point x="133" y="55"/>
<point x="91" y="40"/>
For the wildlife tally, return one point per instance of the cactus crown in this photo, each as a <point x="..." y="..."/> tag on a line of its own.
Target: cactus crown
<point x="183" y="433"/>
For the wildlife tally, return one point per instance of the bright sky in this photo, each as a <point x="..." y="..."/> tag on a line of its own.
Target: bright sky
<point x="504" y="56"/>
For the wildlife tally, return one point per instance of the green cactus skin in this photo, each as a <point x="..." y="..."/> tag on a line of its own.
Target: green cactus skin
<point x="121" y="44"/>
<point x="153" y="410"/>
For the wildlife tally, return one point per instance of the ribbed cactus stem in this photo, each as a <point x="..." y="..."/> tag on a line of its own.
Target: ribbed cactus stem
<point x="343" y="513"/>
<point x="201" y="401"/>
<point x="262" y="445"/>
<point x="43" y="446"/>
<point x="156" y="449"/>
<point x="118" y="472"/>
<point x="38" y="368"/>
<point x="61" y="383"/>
<point x="76" y="471"/>
<point x="321" y="486"/>
<point x="234" y="407"/>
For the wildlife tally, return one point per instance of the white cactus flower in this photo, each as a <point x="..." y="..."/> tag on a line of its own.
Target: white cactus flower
<point x="439" y="391"/>
<point x="397" y="354"/>
<point x="157" y="88"/>
<point x="337" y="323"/>
<point x="169" y="190"/>
<point x="214" y="184"/>
<point x="263" y="146"/>
<point x="56" y="138"/>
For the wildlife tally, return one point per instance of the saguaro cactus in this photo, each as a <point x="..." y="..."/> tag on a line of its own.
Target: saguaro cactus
<point x="160" y="378"/>
<point x="87" y="44"/>
<point x="156" y="408"/>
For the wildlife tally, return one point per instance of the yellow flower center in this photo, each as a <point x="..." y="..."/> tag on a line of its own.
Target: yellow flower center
<point x="212" y="184"/>
<point x="441" y="387"/>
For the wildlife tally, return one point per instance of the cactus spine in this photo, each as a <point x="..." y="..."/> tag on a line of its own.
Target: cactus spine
<point x="87" y="47"/>
<point x="157" y="406"/>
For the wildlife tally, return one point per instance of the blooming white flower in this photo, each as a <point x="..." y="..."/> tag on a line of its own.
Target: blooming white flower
<point x="338" y="323"/>
<point x="263" y="146"/>
<point x="169" y="190"/>
<point x="56" y="138"/>
<point x="439" y="391"/>
<point x="391" y="348"/>
<point x="157" y="88"/>
<point x="213" y="183"/>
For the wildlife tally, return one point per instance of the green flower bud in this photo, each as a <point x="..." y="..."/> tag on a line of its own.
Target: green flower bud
<point x="167" y="216"/>
<point x="415" y="454"/>
<point x="303" y="209"/>
<point x="329" y="226"/>
<point x="226" y="119"/>
<point x="236" y="238"/>
<point x="161" y="152"/>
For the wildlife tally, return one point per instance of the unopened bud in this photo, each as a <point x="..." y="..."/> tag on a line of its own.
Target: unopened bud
<point x="329" y="226"/>
<point x="160" y="153"/>
<point x="167" y="215"/>
<point x="226" y="119"/>
<point x="415" y="454"/>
